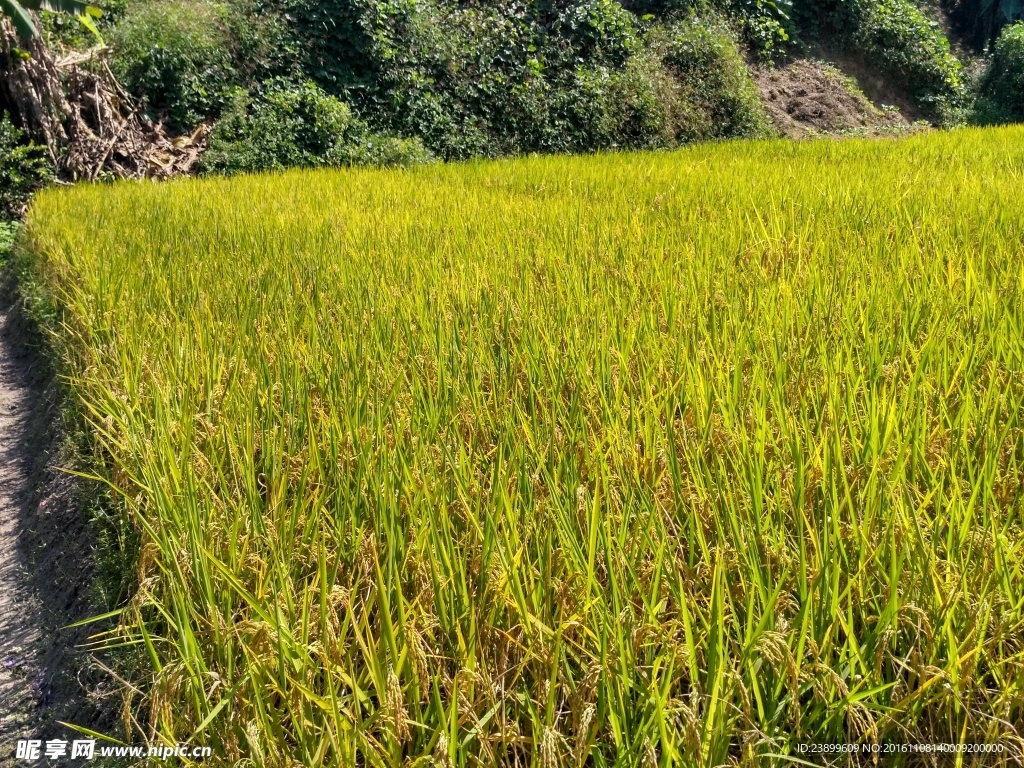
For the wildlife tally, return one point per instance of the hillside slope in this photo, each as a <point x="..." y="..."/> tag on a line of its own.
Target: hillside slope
<point x="349" y="82"/>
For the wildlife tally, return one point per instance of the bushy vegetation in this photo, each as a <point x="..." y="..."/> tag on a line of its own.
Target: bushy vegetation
<point x="24" y="168"/>
<point x="896" y="37"/>
<point x="176" y="55"/>
<point x="65" y="30"/>
<point x="501" y="78"/>
<point x="186" y="58"/>
<point x="1002" y="88"/>
<point x="289" y="126"/>
<point x="714" y="97"/>
<point x="505" y="78"/>
<point x="766" y="25"/>
<point x="465" y="79"/>
<point x="912" y="47"/>
<point x="685" y="459"/>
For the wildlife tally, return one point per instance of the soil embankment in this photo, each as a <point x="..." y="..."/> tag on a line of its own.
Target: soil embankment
<point x="808" y="97"/>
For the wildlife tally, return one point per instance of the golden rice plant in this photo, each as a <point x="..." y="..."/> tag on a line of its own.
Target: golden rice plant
<point x="638" y="459"/>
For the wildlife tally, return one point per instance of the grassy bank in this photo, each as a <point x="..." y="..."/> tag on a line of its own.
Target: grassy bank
<point x="614" y="459"/>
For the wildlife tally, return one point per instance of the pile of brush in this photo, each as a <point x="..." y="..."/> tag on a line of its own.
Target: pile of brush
<point x="90" y="125"/>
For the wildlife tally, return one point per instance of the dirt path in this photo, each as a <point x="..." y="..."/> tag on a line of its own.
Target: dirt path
<point x="22" y="688"/>
<point x="45" y="559"/>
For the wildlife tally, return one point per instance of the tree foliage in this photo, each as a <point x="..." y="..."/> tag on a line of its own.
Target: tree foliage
<point x="177" y="57"/>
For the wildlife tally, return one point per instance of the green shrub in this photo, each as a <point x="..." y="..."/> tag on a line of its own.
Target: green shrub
<point x="636" y="112"/>
<point x="333" y="41"/>
<point x="24" y="168"/>
<point x="1002" y="88"/>
<point x="479" y="79"/>
<point x="364" y="147"/>
<point x="176" y="56"/>
<point x="285" y="126"/>
<point x="291" y="125"/>
<point x="505" y="78"/>
<point x="716" y="97"/>
<point x="688" y="83"/>
<point x="600" y="29"/>
<point x="262" y="44"/>
<point x="66" y="30"/>
<point x="482" y="79"/>
<point x="766" y="25"/>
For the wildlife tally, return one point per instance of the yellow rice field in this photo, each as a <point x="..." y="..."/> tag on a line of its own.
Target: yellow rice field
<point x="638" y="459"/>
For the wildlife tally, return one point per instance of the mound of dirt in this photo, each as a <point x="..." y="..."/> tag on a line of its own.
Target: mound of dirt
<point x="810" y="98"/>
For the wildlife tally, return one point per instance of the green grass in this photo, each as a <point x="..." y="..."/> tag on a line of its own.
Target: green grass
<point x="631" y="459"/>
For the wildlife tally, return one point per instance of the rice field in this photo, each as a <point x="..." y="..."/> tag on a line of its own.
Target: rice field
<point x="687" y="458"/>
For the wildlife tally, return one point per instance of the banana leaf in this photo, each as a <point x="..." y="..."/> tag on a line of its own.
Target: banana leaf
<point x="18" y="12"/>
